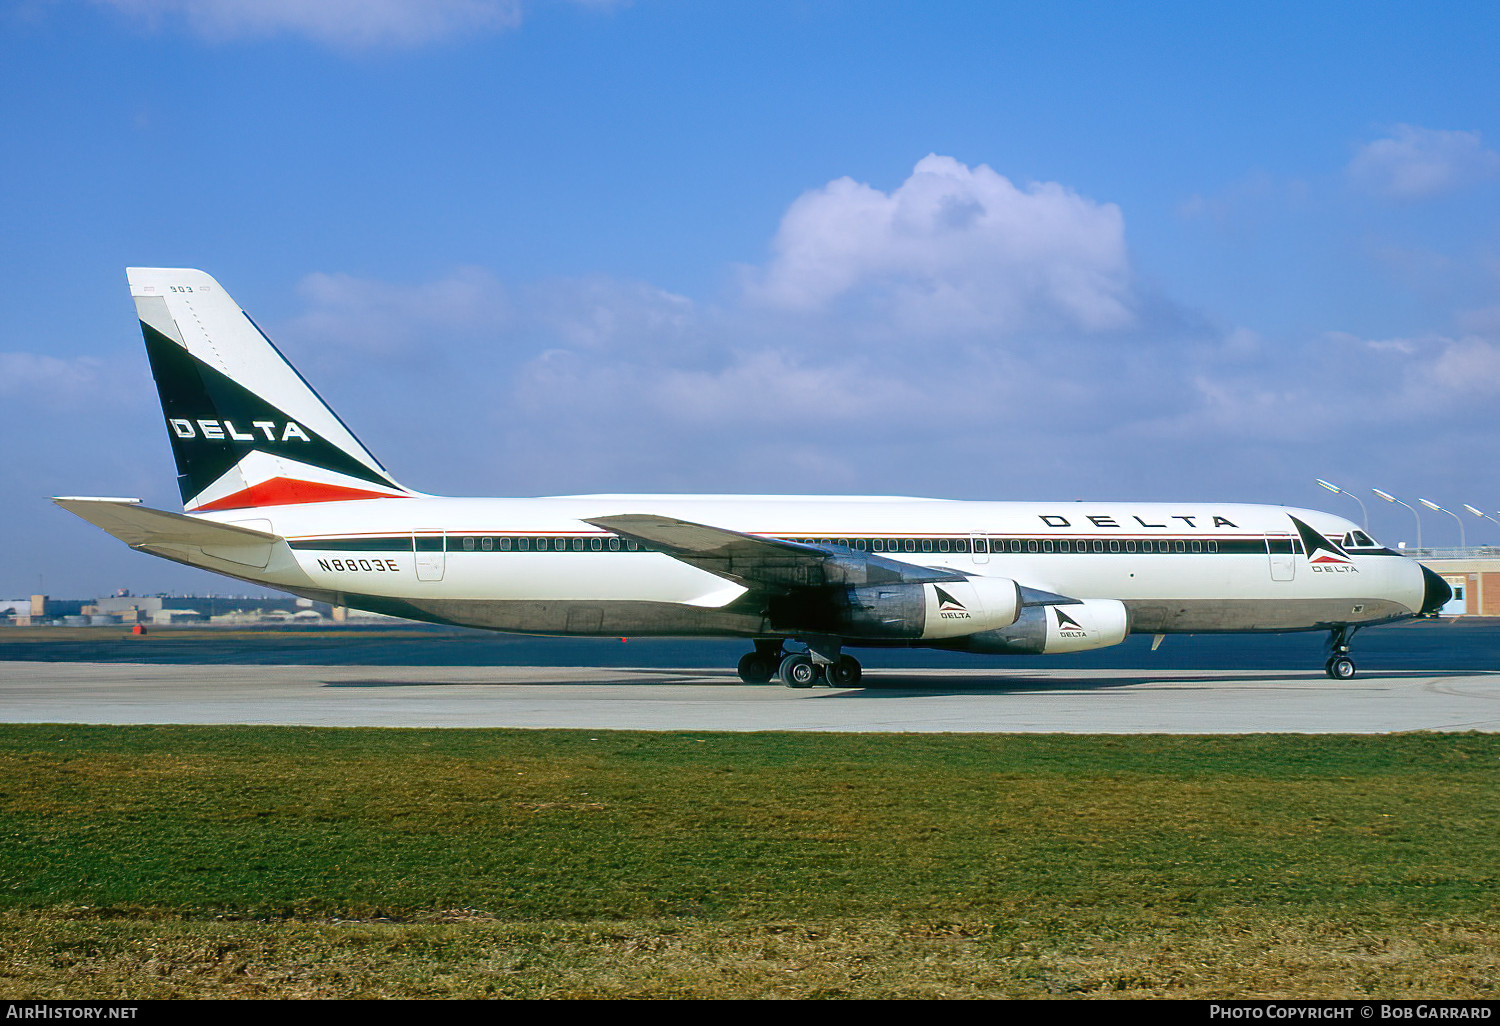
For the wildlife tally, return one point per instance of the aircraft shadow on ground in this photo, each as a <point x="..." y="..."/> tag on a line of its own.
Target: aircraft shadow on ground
<point x="888" y="684"/>
<point x="655" y="677"/>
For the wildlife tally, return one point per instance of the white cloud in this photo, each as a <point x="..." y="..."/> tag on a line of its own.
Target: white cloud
<point x="1415" y="163"/>
<point x="50" y="381"/>
<point x="600" y="313"/>
<point x="953" y="248"/>
<point x="350" y="24"/>
<point x="1466" y="366"/>
<point x="386" y="319"/>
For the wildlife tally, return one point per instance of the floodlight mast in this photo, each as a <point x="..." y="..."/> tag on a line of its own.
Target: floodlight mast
<point x="1388" y="497"/>
<point x="1339" y="491"/>
<point x="1463" y="542"/>
<point x="1480" y="513"/>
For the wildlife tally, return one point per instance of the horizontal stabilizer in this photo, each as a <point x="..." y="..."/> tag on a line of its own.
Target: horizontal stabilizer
<point x="142" y="527"/>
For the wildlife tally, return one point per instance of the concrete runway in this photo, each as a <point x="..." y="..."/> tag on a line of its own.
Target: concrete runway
<point x="1049" y="701"/>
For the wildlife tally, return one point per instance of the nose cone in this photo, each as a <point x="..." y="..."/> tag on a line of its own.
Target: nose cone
<point x="1435" y="592"/>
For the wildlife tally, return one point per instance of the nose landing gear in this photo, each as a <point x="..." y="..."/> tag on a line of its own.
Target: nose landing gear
<point x="1339" y="665"/>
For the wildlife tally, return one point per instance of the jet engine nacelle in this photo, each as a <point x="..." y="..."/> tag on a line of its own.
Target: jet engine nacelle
<point x="950" y="609"/>
<point x="1065" y="627"/>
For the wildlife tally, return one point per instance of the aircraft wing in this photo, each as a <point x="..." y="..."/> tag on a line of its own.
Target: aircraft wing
<point x="156" y="530"/>
<point x="762" y="563"/>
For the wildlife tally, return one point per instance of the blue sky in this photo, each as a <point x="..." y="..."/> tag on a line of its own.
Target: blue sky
<point x="987" y="250"/>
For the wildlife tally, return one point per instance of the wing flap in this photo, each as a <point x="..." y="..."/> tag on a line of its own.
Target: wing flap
<point x="763" y="563"/>
<point x="742" y="558"/>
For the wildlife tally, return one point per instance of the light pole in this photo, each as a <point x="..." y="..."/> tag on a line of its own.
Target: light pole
<point x="1339" y="491"/>
<point x="1462" y="541"/>
<point x="1479" y="513"/>
<point x="1388" y="497"/>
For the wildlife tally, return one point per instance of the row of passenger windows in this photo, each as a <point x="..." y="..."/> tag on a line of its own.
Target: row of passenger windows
<point x="904" y="545"/>
<point x="543" y="544"/>
<point x="508" y="543"/>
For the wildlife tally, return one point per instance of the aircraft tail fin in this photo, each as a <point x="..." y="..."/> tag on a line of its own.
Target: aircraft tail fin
<point x="246" y="429"/>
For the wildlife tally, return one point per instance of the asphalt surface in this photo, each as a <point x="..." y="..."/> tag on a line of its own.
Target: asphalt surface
<point x="1437" y="676"/>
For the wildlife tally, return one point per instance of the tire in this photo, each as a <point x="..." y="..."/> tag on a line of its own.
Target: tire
<point x="1341" y="668"/>
<point x="799" y="671"/>
<point x="844" y="674"/>
<point x="755" y="668"/>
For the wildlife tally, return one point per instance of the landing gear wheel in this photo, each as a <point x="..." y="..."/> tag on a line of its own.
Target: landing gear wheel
<point x="1341" y="668"/>
<point x="843" y="674"/>
<point x="799" y="671"/>
<point x="757" y="668"/>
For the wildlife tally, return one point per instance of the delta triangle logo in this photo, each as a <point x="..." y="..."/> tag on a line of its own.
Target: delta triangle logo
<point x="1064" y="621"/>
<point x="1324" y="555"/>
<point x="950" y="608"/>
<point x="947" y="602"/>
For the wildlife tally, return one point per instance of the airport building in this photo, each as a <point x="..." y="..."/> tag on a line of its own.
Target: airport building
<point x="1474" y="576"/>
<point x="162" y="609"/>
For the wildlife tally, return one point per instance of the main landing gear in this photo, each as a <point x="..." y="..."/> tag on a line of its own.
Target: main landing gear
<point x="821" y="662"/>
<point x="1339" y="665"/>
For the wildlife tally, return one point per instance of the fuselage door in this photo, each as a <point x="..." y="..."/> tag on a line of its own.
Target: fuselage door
<point x="979" y="548"/>
<point x="428" y="546"/>
<point x="1282" y="555"/>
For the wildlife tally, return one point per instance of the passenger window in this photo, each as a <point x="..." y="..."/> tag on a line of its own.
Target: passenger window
<point x="614" y="545"/>
<point x="631" y="545"/>
<point x="943" y="545"/>
<point x="911" y="545"/>
<point x="577" y="544"/>
<point x="1114" y="546"/>
<point x="1130" y="546"/>
<point x="1065" y="546"/>
<point x="926" y="544"/>
<point x="1015" y="545"/>
<point x="596" y="544"/>
<point x="1098" y="545"/>
<point x="960" y="545"/>
<point x="1047" y="545"/>
<point x="1031" y="545"/>
<point x="468" y="544"/>
<point x="1197" y="546"/>
<point x="504" y="544"/>
<point x="541" y="544"/>
<point x="981" y="545"/>
<point x="1180" y="546"/>
<point x="487" y="544"/>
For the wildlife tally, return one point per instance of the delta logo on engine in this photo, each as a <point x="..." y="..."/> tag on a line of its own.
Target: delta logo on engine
<point x="950" y="608"/>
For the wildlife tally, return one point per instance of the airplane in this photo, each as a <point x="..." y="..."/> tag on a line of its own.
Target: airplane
<point x="278" y="491"/>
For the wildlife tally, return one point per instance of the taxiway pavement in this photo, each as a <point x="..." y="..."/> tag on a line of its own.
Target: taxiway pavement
<point x="931" y="700"/>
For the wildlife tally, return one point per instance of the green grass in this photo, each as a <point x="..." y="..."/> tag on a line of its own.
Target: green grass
<point x="164" y="861"/>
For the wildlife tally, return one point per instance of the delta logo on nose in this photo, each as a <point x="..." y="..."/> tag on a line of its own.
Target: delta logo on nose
<point x="1324" y="556"/>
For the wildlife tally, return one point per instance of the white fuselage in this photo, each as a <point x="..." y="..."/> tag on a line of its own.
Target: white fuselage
<point x="535" y="566"/>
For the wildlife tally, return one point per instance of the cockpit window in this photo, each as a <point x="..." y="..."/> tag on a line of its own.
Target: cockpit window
<point x="1359" y="540"/>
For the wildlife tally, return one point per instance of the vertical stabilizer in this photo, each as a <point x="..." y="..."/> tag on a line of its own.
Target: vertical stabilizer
<point x="246" y="429"/>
